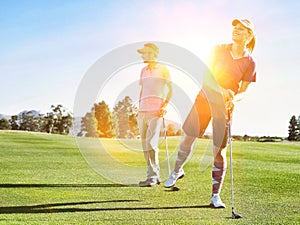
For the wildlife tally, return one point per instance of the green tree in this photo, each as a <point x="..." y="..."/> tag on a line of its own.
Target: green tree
<point x="179" y="132"/>
<point x="115" y="123"/>
<point x="14" y="123"/>
<point x="126" y="114"/>
<point x="4" y="124"/>
<point x="59" y="120"/>
<point x="132" y="117"/>
<point x="29" y="121"/>
<point x="121" y="115"/>
<point x="47" y="123"/>
<point x="104" y="120"/>
<point x="298" y="125"/>
<point x="171" y="130"/>
<point x="89" y="125"/>
<point x="293" y="129"/>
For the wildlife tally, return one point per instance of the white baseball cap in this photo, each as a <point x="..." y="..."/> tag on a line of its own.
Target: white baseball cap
<point x="149" y="47"/>
<point x="245" y="22"/>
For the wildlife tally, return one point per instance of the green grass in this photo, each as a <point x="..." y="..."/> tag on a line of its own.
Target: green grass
<point x="46" y="180"/>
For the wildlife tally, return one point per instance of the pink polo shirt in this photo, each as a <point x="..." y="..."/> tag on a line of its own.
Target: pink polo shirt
<point x="153" y="82"/>
<point x="229" y="72"/>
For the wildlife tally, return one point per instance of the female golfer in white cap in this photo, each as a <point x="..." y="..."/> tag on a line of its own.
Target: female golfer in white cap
<point x="153" y="80"/>
<point x="232" y="70"/>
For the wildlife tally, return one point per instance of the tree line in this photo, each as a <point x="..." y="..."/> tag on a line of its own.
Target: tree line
<point x="101" y="122"/>
<point x="120" y="123"/>
<point x="294" y="129"/>
<point x="57" y="121"/>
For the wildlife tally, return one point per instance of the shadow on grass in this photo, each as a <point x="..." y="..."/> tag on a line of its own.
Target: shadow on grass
<point x="65" y="185"/>
<point x="50" y="208"/>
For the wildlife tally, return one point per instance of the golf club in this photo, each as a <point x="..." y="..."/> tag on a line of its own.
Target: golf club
<point x="174" y="188"/>
<point x="234" y="215"/>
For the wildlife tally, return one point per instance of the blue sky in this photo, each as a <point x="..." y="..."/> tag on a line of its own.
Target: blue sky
<point x="47" y="47"/>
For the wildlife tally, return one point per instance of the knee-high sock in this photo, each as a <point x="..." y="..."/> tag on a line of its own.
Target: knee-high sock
<point x="218" y="175"/>
<point x="182" y="157"/>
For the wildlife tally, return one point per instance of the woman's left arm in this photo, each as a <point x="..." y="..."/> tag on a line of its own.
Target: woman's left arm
<point x="243" y="88"/>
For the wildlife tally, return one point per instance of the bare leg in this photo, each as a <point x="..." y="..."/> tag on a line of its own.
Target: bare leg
<point x="151" y="158"/>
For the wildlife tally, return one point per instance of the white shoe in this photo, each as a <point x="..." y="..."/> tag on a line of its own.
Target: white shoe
<point x="216" y="202"/>
<point x="173" y="178"/>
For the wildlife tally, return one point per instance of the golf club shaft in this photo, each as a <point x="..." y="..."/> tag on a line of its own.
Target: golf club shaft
<point x="167" y="148"/>
<point x="231" y="170"/>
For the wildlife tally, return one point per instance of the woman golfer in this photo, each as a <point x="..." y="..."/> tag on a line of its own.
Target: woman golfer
<point x="232" y="70"/>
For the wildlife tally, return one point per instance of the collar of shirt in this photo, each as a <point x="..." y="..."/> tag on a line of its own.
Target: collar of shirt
<point x="152" y="66"/>
<point x="245" y="54"/>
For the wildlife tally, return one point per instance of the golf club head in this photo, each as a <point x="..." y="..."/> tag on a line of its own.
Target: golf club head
<point x="236" y="215"/>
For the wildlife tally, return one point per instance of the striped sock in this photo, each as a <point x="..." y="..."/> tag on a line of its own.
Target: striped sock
<point x="182" y="157"/>
<point x="218" y="174"/>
